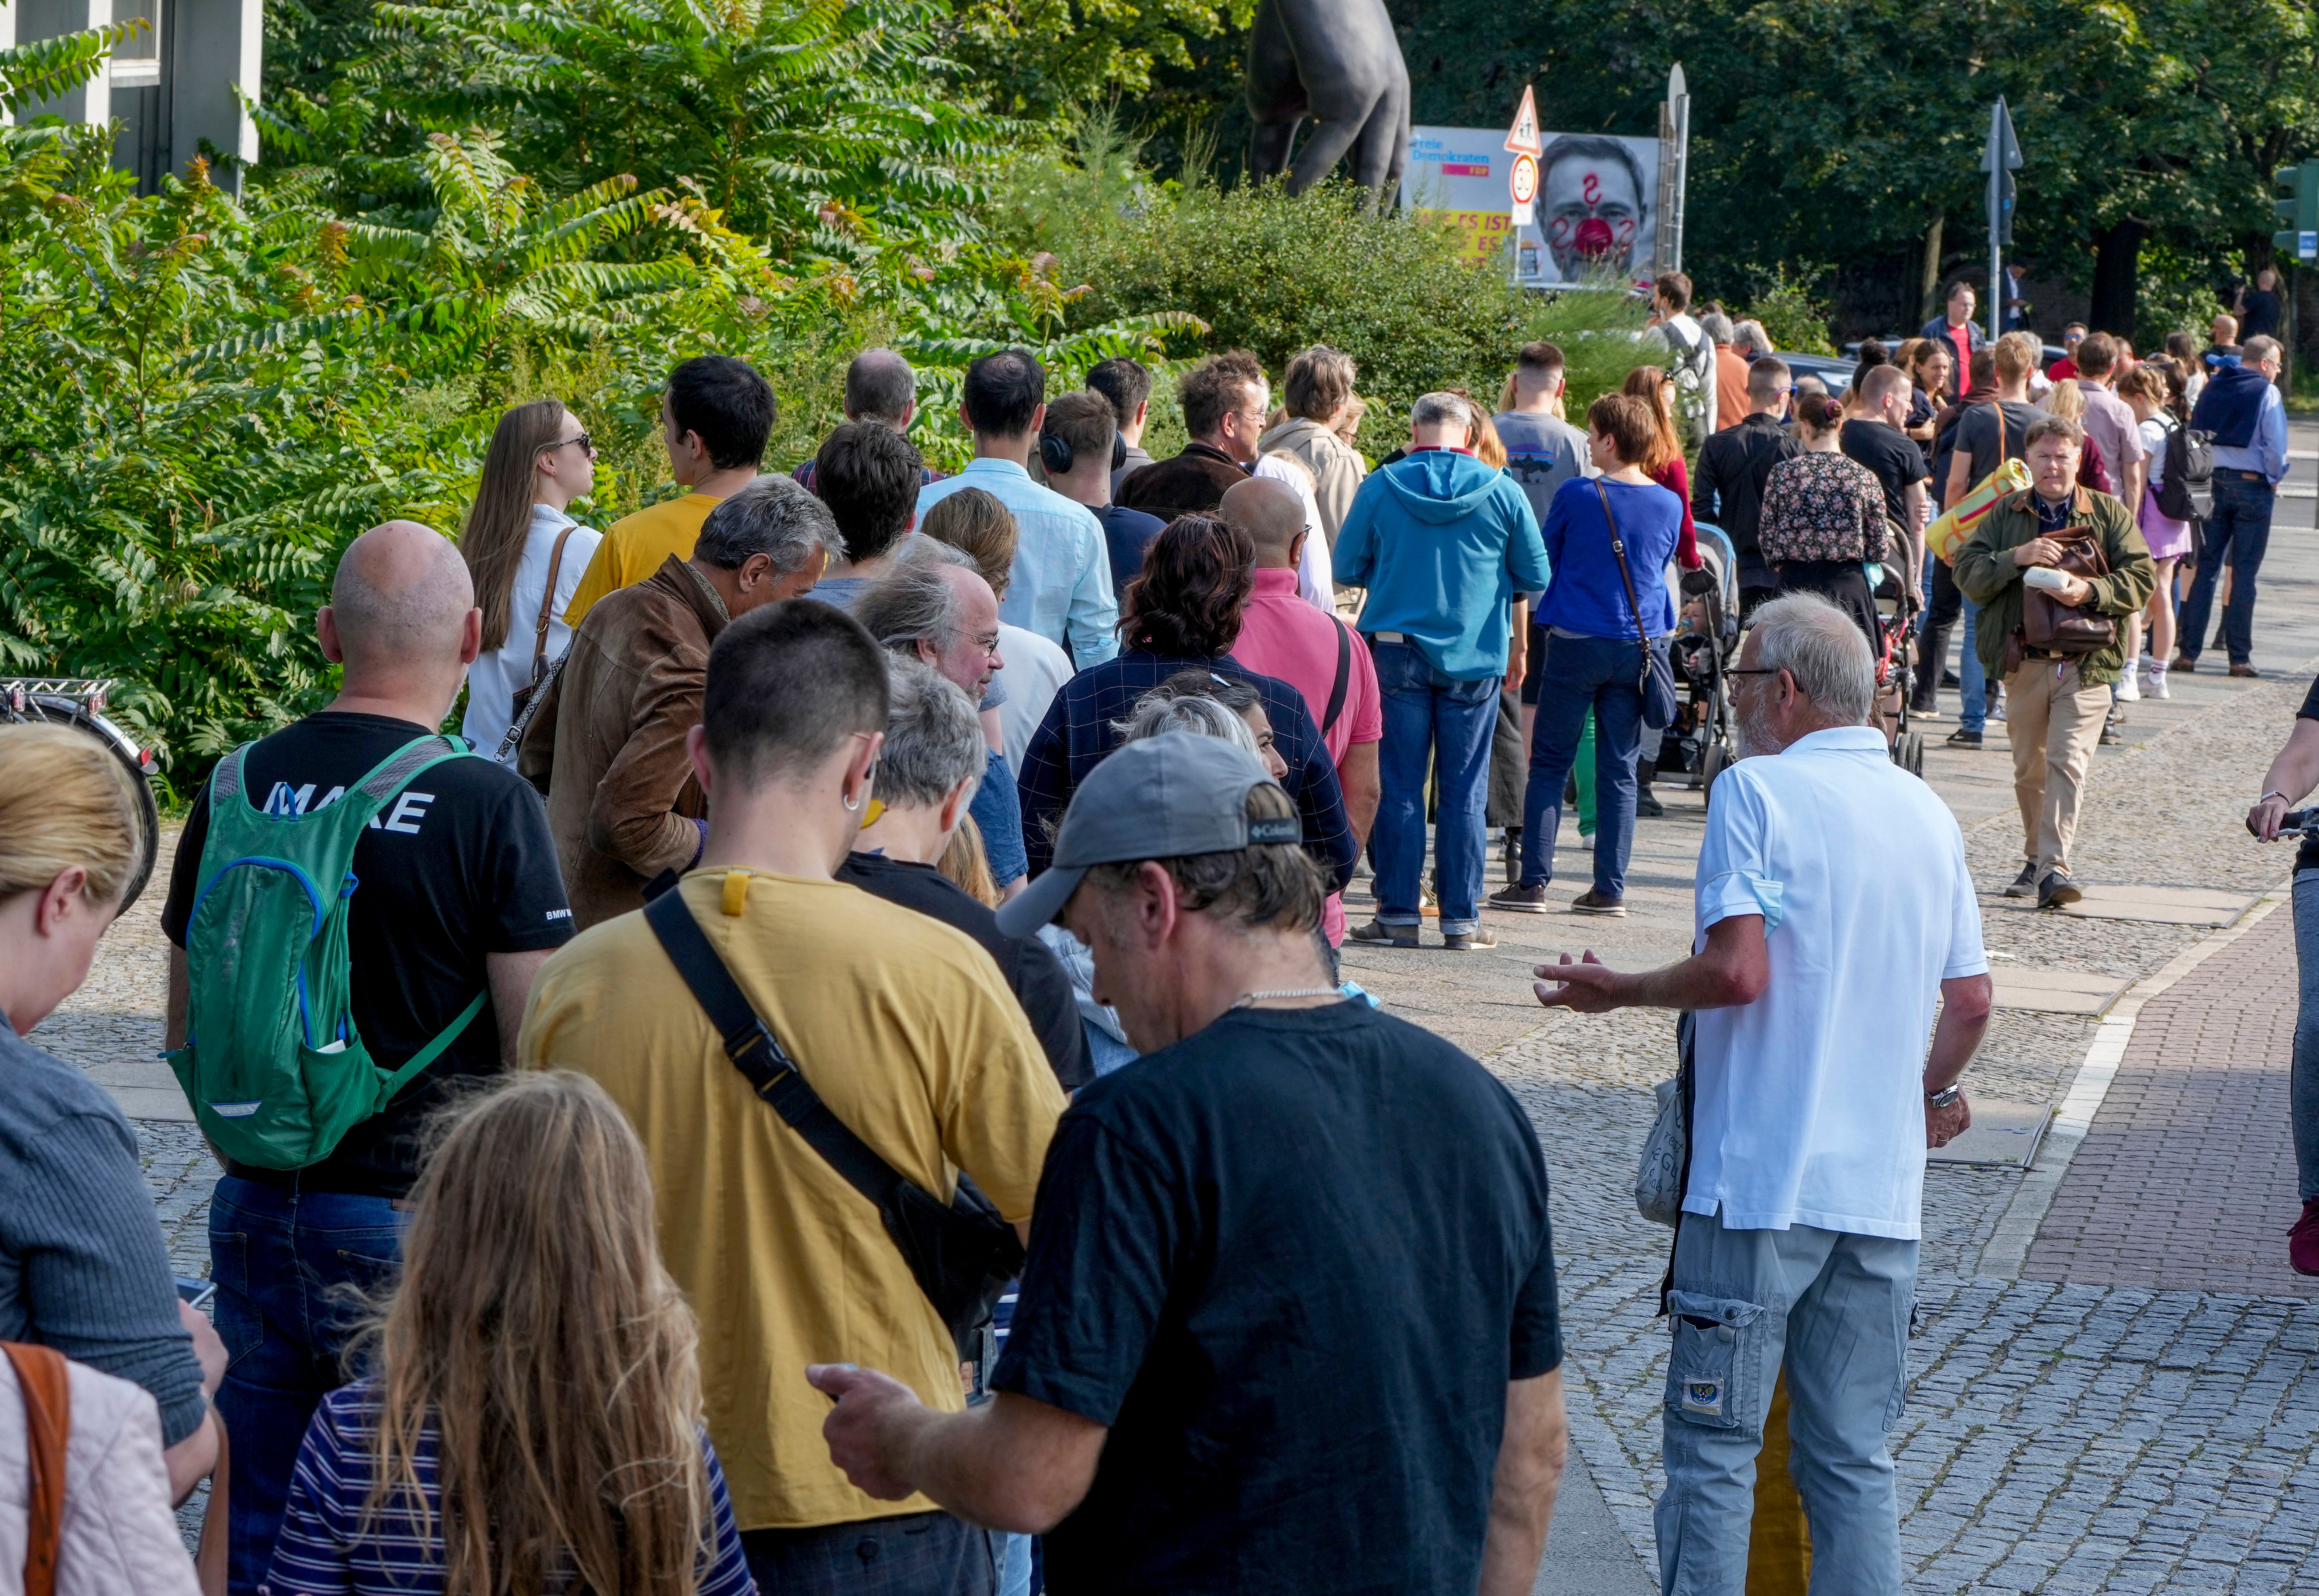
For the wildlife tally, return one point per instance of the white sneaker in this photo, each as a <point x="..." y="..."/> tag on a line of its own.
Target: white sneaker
<point x="2155" y="673"/>
<point x="2129" y="687"/>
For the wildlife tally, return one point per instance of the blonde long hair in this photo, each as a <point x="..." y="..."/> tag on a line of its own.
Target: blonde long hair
<point x="65" y="800"/>
<point x="535" y="1330"/>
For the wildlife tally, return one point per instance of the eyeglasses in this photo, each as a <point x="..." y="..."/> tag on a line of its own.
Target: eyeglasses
<point x="988" y="641"/>
<point x="1753" y="671"/>
<point x="583" y="440"/>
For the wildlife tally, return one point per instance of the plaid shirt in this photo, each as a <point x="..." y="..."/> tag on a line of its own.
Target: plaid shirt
<point x="1077" y="734"/>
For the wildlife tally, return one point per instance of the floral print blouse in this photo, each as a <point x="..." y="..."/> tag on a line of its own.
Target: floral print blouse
<point x="1822" y="506"/>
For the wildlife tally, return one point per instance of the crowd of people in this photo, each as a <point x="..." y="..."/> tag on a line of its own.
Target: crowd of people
<point x="842" y="1079"/>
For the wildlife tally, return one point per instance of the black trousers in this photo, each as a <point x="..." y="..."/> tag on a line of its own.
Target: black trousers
<point x="1948" y="608"/>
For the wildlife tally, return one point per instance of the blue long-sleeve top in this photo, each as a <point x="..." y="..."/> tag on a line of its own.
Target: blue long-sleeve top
<point x="1586" y="595"/>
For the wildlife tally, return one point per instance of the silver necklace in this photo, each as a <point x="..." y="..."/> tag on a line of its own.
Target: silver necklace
<point x="1247" y="998"/>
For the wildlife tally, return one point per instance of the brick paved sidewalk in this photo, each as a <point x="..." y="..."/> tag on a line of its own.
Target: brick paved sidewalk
<point x="2185" y="1182"/>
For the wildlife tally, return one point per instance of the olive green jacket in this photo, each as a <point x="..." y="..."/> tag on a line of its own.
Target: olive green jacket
<point x="1987" y="576"/>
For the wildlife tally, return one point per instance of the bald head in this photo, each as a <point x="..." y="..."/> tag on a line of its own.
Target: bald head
<point x="400" y="599"/>
<point x="1271" y="514"/>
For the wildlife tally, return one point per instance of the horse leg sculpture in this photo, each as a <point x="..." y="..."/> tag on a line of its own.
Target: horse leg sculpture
<point x="1340" y="62"/>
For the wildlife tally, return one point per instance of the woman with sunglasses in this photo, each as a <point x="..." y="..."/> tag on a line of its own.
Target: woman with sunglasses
<point x="526" y="557"/>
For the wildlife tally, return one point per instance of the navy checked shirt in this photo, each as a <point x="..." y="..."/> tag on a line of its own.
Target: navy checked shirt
<point x="1077" y="734"/>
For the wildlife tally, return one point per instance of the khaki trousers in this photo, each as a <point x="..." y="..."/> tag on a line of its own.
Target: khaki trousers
<point x="2054" y="724"/>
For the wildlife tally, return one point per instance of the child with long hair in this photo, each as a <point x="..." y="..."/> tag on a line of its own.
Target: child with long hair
<point x="531" y="1420"/>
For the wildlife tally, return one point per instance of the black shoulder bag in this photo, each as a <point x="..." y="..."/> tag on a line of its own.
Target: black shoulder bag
<point x="962" y="1254"/>
<point x="1658" y="681"/>
<point x="1344" y="679"/>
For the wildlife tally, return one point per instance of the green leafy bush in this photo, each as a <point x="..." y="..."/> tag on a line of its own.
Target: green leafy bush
<point x="1277" y="274"/>
<point x="1795" y="317"/>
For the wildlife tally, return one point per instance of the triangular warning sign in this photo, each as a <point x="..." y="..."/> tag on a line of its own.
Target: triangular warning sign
<point x="1523" y="139"/>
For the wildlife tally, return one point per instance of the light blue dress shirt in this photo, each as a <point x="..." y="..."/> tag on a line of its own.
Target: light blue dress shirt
<point x="2268" y="453"/>
<point x="1062" y="586"/>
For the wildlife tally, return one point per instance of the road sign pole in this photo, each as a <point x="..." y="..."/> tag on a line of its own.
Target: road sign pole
<point x="1524" y="144"/>
<point x="2000" y="158"/>
<point x="1674" y="146"/>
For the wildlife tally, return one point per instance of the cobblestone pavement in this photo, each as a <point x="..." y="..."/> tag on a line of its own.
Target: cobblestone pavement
<point x="2080" y="1432"/>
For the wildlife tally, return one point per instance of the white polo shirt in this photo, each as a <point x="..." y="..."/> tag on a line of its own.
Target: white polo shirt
<point x="1809" y="1101"/>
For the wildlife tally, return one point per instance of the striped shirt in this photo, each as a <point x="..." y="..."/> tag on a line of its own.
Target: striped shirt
<point x="326" y="1548"/>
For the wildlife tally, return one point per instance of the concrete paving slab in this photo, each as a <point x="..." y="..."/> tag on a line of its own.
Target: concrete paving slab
<point x="2003" y="1135"/>
<point x="2055" y="991"/>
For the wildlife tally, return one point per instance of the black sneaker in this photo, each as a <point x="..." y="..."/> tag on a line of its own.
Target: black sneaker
<point x="1377" y="934"/>
<point x="1949" y="679"/>
<point x="2024" y="884"/>
<point x="2057" y="891"/>
<point x="1469" y="941"/>
<point x="2109" y="737"/>
<point x="1964" y="737"/>
<point x="1519" y="899"/>
<point x="1647" y="806"/>
<point x="1586" y="903"/>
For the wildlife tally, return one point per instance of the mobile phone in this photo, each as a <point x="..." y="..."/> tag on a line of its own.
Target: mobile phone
<point x="196" y="1292"/>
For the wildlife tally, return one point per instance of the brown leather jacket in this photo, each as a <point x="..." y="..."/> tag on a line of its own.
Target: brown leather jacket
<point x="1190" y="483"/>
<point x="606" y="746"/>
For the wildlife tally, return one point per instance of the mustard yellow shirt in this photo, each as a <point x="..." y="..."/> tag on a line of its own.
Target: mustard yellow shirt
<point x="909" y="1033"/>
<point x="634" y="547"/>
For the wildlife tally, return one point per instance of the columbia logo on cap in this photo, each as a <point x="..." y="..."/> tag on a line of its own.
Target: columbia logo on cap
<point x="1285" y="829"/>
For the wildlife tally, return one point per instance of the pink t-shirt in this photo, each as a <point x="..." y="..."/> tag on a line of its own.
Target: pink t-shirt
<point x="1285" y="635"/>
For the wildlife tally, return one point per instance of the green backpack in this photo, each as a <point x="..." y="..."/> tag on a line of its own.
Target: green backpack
<point x="271" y="1064"/>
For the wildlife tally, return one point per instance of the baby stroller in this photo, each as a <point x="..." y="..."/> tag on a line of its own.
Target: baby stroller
<point x="1706" y="642"/>
<point x="1896" y="610"/>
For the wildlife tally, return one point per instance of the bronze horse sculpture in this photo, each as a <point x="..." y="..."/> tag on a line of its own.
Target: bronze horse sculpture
<point x="1338" y="62"/>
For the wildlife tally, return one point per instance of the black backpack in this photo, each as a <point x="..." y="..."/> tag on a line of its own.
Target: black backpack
<point x="2185" y="491"/>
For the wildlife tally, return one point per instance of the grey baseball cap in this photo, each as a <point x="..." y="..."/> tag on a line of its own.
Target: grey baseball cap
<point x="1168" y="797"/>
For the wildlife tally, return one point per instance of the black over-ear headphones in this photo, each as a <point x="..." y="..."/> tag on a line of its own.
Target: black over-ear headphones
<point x="1055" y="452"/>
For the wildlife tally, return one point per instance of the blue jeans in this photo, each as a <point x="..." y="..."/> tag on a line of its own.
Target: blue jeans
<point x="1742" y="1301"/>
<point x="1580" y="675"/>
<point x="1972" y="682"/>
<point x="914" y="1554"/>
<point x="277" y="1255"/>
<point x="1431" y="719"/>
<point x="2303" y="1086"/>
<point x="2240" y="533"/>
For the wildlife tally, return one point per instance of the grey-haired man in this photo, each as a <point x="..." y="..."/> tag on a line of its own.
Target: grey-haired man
<point x="1198" y="1391"/>
<point x="1833" y="908"/>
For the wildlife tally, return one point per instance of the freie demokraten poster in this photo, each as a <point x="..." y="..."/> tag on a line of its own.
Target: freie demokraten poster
<point x="1596" y="208"/>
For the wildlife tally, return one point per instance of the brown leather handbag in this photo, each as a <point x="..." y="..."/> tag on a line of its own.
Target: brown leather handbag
<point x="2052" y="626"/>
<point x="45" y="1385"/>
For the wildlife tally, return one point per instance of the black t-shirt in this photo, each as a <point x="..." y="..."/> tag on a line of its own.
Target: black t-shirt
<point x="459" y="865"/>
<point x="1033" y="974"/>
<point x="1978" y="435"/>
<point x="1292" y="1262"/>
<point x="1127" y="533"/>
<point x="2261" y="317"/>
<point x="1893" y="455"/>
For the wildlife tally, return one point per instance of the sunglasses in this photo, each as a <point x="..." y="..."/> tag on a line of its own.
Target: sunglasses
<point x="587" y="443"/>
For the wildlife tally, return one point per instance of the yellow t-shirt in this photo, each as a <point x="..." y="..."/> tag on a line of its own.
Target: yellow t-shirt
<point x="909" y="1035"/>
<point x="634" y="547"/>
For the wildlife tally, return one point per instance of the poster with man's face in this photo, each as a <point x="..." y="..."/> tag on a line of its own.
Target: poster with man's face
<point x="1596" y="208"/>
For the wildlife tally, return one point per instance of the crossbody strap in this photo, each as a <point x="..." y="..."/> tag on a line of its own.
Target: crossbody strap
<point x="758" y="1054"/>
<point x="1344" y="677"/>
<point x="548" y="604"/>
<point x="45" y="1384"/>
<point x="1618" y="552"/>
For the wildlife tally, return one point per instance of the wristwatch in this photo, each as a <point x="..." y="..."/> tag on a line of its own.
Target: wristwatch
<point x="1945" y="1096"/>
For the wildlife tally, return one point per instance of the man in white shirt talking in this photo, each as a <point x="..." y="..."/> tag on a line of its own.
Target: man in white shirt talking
<point x="1833" y="904"/>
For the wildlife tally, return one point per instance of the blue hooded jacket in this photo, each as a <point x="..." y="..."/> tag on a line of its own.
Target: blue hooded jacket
<point x="1442" y="543"/>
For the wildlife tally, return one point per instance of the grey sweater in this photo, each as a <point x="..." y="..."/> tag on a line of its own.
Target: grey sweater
<point x="83" y="1268"/>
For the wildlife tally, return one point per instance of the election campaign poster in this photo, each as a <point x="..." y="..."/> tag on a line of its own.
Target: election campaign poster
<point x="1595" y="205"/>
